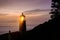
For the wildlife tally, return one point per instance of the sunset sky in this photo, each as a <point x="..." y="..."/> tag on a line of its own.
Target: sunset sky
<point x="36" y="11"/>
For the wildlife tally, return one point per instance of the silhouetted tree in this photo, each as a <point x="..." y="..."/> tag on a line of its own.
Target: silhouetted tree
<point x="55" y="11"/>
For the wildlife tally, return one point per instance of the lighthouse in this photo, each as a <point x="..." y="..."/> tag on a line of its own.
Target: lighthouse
<point x="22" y="24"/>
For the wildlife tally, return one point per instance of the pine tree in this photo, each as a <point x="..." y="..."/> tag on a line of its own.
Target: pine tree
<point x="55" y="11"/>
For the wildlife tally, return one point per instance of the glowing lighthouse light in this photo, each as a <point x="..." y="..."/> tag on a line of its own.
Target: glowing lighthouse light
<point x="22" y="25"/>
<point x="22" y="18"/>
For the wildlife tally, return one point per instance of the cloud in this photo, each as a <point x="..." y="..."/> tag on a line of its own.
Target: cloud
<point x="29" y="3"/>
<point x="8" y="19"/>
<point x="2" y="14"/>
<point x="38" y="10"/>
<point x="3" y="3"/>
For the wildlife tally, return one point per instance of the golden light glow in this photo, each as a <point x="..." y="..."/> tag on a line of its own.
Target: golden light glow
<point x="21" y="18"/>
